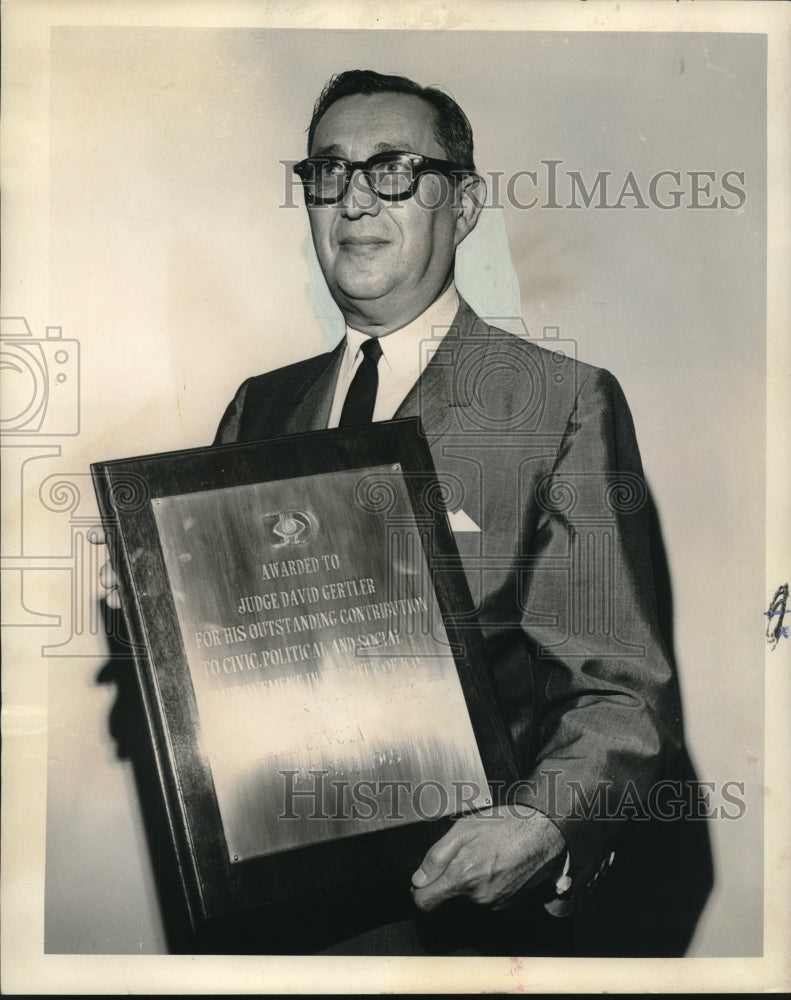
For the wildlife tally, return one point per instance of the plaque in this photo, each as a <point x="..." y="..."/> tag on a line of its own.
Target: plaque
<point x="309" y="660"/>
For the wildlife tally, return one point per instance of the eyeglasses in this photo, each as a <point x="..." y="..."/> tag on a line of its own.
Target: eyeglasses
<point x="392" y="175"/>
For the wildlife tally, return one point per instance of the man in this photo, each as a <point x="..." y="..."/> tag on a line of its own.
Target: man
<point x="556" y="557"/>
<point x="386" y="248"/>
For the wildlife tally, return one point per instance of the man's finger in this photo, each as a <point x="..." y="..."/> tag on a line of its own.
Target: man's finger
<point x="436" y="893"/>
<point x="438" y="858"/>
<point x="113" y="599"/>
<point x="109" y="581"/>
<point x="95" y="536"/>
<point x="105" y="574"/>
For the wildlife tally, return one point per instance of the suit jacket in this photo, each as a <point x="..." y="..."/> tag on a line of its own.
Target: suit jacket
<point x="539" y="453"/>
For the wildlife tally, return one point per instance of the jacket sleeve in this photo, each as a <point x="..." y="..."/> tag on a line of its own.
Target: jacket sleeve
<point x="608" y="708"/>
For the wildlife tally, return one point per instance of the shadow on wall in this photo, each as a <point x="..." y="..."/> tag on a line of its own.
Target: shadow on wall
<point x="663" y="874"/>
<point x="129" y="730"/>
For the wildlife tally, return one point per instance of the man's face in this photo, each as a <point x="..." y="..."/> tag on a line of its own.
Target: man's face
<point x="385" y="262"/>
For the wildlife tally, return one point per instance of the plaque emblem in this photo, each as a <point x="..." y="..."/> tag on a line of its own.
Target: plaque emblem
<point x="294" y="527"/>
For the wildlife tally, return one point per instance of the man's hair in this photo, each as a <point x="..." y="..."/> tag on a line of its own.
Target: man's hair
<point x="452" y="130"/>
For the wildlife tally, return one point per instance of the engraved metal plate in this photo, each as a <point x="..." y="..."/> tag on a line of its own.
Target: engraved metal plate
<point x="319" y="659"/>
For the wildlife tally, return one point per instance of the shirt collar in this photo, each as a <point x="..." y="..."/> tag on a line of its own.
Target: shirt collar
<point x="402" y="347"/>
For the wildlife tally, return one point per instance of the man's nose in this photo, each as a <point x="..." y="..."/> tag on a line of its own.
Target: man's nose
<point x="360" y="198"/>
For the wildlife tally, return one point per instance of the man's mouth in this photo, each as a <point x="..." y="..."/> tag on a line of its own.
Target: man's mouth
<point x="361" y="244"/>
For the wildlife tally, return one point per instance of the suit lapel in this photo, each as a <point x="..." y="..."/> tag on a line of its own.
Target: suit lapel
<point x="429" y="399"/>
<point x="313" y="396"/>
<point x="438" y="392"/>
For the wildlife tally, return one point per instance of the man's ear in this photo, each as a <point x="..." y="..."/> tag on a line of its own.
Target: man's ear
<point x="470" y="194"/>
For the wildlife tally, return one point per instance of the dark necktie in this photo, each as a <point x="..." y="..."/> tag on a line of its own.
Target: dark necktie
<point x="358" y="407"/>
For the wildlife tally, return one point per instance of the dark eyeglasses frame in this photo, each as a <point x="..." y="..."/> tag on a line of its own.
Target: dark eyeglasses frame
<point x="420" y="165"/>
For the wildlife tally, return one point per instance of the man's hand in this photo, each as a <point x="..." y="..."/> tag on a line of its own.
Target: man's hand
<point x="489" y="857"/>
<point x="107" y="577"/>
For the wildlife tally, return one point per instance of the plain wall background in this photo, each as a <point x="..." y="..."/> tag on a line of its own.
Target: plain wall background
<point x="174" y="266"/>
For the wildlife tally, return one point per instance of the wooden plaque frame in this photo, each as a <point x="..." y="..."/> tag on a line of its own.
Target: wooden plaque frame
<point x="217" y="888"/>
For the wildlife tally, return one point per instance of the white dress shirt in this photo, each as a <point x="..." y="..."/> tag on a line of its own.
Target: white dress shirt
<point x="405" y="353"/>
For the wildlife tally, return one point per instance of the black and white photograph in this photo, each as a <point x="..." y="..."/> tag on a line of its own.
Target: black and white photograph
<point x="395" y="557"/>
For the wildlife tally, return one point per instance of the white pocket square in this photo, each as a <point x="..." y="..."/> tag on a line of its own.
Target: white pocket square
<point x="459" y="521"/>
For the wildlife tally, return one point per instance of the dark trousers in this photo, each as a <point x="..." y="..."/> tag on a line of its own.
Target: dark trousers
<point x="389" y="924"/>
